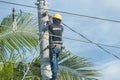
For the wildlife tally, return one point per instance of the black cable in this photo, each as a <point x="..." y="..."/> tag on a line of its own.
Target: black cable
<point x="87" y="42"/>
<point x="71" y="39"/>
<point x="80" y="15"/>
<point x="75" y="14"/>
<point x="18" y="4"/>
<point x="92" y="42"/>
<point x="71" y="28"/>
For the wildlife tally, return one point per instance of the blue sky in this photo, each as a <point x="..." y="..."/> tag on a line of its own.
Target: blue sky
<point x="96" y="30"/>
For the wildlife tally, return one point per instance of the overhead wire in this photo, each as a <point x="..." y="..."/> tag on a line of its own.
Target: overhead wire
<point x="89" y="41"/>
<point x="81" y="40"/>
<point x="92" y="42"/>
<point x="117" y="21"/>
<point x="78" y="40"/>
<point x="75" y="14"/>
<point x="86" y="41"/>
<point x="86" y="16"/>
<point x="75" y="39"/>
<point x="17" y="4"/>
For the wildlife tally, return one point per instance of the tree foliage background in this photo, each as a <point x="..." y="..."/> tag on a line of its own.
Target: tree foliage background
<point x="15" y="47"/>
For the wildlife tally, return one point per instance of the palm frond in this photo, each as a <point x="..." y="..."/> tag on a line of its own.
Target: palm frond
<point x="24" y="38"/>
<point x="75" y="67"/>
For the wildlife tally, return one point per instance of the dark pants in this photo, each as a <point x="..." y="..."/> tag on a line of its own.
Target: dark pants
<point x="54" y="54"/>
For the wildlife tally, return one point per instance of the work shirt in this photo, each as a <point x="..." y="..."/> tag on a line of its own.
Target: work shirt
<point x="55" y="33"/>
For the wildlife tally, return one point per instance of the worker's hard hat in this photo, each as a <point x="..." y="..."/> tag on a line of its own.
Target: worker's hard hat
<point x="57" y="16"/>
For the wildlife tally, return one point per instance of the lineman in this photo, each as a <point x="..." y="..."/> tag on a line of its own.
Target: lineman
<point x="55" y="41"/>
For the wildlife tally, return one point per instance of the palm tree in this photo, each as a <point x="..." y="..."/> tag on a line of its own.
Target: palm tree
<point x="71" y="67"/>
<point x="22" y="41"/>
<point x="75" y="68"/>
<point x="16" y="44"/>
<point x="7" y="68"/>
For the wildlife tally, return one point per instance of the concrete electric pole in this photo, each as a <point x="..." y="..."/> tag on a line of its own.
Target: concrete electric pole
<point x="42" y="20"/>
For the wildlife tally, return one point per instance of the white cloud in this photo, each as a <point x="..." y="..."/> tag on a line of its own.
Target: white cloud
<point x="111" y="71"/>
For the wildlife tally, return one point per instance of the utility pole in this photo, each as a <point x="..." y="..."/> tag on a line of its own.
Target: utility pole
<point x="14" y="24"/>
<point x="44" y="42"/>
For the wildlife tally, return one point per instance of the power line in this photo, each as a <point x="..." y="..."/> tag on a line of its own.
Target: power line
<point x="18" y="4"/>
<point x="75" y="14"/>
<point x="91" y="41"/>
<point x="80" y="15"/>
<point x="87" y="42"/>
<point x="78" y="40"/>
<point x="68" y="26"/>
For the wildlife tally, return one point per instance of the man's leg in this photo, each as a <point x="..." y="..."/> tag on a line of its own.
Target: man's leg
<point x="54" y="63"/>
<point x="55" y="69"/>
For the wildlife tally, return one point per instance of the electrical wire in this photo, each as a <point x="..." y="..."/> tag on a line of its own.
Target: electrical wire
<point x="75" y="14"/>
<point x="18" y="4"/>
<point x="78" y="40"/>
<point x="92" y="41"/>
<point x="69" y="27"/>
<point x="87" y="41"/>
<point x="86" y="16"/>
